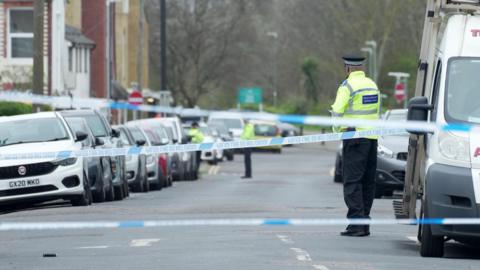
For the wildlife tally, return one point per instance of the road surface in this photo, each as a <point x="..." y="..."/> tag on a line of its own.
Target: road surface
<point x="294" y="184"/>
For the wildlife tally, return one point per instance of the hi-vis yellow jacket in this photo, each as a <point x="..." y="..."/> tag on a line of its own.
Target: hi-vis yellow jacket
<point x="357" y="98"/>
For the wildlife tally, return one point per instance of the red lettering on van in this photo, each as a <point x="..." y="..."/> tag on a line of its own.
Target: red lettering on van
<point x="476" y="32"/>
<point x="477" y="152"/>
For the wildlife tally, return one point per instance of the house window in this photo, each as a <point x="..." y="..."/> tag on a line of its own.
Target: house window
<point x="70" y="59"/>
<point x="20" y="33"/>
<point x="86" y="54"/>
<point x="77" y="59"/>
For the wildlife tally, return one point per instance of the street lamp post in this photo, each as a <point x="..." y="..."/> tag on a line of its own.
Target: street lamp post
<point x="373" y="44"/>
<point x="274" y="35"/>
<point x="369" y="51"/>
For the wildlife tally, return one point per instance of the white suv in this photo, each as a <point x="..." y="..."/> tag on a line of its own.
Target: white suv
<point x="46" y="178"/>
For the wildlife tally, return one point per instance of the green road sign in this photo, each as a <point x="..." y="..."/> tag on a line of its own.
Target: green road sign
<point x="252" y="95"/>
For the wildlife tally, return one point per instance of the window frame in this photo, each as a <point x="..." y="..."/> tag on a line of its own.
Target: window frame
<point x="10" y="36"/>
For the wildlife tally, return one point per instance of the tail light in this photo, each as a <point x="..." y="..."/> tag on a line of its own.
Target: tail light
<point x="162" y="162"/>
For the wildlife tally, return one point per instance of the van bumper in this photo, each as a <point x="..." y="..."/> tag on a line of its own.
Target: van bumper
<point x="450" y="194"/>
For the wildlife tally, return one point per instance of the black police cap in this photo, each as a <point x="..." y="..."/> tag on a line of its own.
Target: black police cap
<point x="353" y="60"/>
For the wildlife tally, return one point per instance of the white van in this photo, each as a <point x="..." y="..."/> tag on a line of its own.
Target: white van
<point x="450" y="166"/>
<point x="232" y="120"/>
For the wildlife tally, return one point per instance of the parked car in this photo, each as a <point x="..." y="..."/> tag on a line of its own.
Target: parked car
<point x="98" y="178"/>
<point x="187" y="165"/>
<point x="392" y="156"/>
<point x="288" y="130"/>
<point x="267" y="130"/>
<point x="156" y="135"/>
<point x="232" y="120"/>
<point x="47" y="178"/>
<point x="211" y="136"/>
<point x="115" y="165"/>
<point x="225" y="136"/>
<point x="135" y="165"/>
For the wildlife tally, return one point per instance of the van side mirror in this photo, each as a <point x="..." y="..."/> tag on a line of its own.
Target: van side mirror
<point x="418" y="109"/>
<point x="185" y="139"/>
<point x="81" y="136"/>
<point x="140" y="143"/>
<point x="99" y="142"/>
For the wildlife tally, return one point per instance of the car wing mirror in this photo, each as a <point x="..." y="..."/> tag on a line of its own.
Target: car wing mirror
<point x="81" y="136"/>
<point x="141" y="143"/>
<point x="115" y="133"/>
<point x="99" y="142"/>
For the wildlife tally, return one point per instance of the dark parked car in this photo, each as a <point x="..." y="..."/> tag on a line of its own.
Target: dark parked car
<point x="391" y="159"/>
<point x="99" y="179"/>
<point x="101" y="129"/>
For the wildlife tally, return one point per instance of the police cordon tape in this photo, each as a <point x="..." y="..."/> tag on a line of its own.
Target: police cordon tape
<point x="96" y="103"/>
<point x="149" y="150"/>
<point x="30" y="226"/>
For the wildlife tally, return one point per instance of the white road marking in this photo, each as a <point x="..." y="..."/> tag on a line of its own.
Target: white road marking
<point x="94" y="247"/>
<point x="332" y="172"/>
<point x="412" y="238"/>
<point x="320" y="267"/>
<point x="285" y="238"/>
<point x="302" y="255"/>
<point x="143" y="242"/>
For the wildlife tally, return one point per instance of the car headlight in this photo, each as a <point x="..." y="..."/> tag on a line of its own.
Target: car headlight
<point x="384" y="152"/>
<point x="65" y="162"/>
<point x="150" y="159"/>
<point x="454" y="147"/>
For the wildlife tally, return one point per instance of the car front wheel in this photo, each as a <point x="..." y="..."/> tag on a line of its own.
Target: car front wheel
<point x="431" y="245"/>
<point x="85" y="198"/>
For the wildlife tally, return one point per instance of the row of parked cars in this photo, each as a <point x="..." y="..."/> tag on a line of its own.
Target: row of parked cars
<point x="84" y="180"/>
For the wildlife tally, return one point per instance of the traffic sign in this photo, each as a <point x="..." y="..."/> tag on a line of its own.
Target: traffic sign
<point x="399" y="92"/>
<point x="251" y="95"/>
<point x="135" y="98"/>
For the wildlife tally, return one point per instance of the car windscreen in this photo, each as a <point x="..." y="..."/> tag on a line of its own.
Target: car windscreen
<point x="462" y="100"/>
<point x="124" y="137"/>
<point x="222" y="129"/>
<point x="32" y="130"/>
<point x="137" y="134"/>
<point x="228" y="122"/>
<point x="96" y="125"/>
<point x="265" y="130"/>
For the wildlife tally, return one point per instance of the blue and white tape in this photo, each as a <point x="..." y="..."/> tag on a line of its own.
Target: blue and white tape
<point x="96" y="103"/>
<point x="200" y="147"/>
<point x="29" y="226"/>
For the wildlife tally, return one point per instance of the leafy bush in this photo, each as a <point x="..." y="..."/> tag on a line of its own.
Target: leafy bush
<point x="14" y="108"/>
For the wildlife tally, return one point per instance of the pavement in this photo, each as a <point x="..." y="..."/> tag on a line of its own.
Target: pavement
<point x="294" y="184"/>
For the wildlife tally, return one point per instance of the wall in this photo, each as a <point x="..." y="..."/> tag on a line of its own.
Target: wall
<point x="73" y="13"/>
<point x="93" y="26"/>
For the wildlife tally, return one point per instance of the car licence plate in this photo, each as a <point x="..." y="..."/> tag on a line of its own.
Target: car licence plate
<point x="24" y="183"/>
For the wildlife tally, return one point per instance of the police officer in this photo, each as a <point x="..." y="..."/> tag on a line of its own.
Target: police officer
<point x="196" y="136"/>
<point x="358" y="98"/>
<point x="247" y="135"/>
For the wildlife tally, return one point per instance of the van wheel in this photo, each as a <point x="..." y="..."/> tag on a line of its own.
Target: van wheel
<point x="431" y="245"/>
<point x="86" y="198"/>
<point x="100" y="194"/>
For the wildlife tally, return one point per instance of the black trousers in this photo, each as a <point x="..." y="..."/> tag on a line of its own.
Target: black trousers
<point x="247" y="152"/>
<point x="359" y="168"/>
